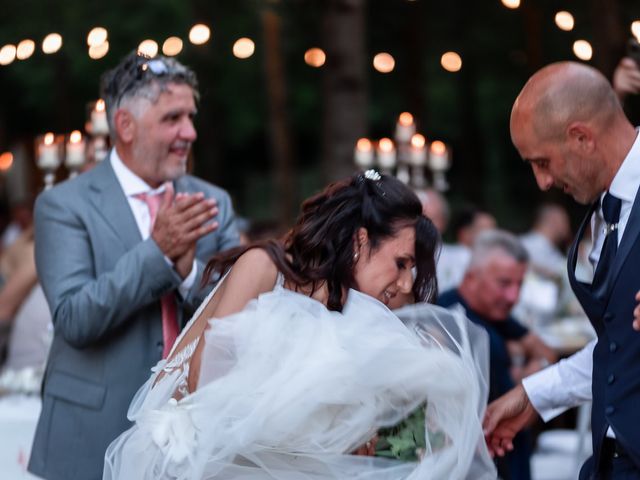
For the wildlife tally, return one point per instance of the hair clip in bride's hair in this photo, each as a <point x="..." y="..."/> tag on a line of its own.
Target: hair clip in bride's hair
<point x="371" y="174"/>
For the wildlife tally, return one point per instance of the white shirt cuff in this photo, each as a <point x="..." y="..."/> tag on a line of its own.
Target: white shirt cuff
<point x="188" y="282"/>
<point x="563" y="385"/>
<point x="540" y="388"/>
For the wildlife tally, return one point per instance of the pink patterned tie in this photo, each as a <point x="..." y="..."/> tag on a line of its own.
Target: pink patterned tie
<point x="168" y="301"/>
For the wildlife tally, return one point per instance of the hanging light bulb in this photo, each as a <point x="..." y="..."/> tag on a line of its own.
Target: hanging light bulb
<point x="384" y="62"/>
<point x="199" y="34"/>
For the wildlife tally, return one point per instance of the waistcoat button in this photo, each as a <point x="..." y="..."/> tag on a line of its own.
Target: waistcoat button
<point x="613" y="346"/>
<point x="611" y="378"/>
<point x="609" y="410"/>
<point x="608" y="317"/>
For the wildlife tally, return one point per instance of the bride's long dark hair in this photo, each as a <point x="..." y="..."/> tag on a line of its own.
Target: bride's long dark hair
<point x="319" y="247"/>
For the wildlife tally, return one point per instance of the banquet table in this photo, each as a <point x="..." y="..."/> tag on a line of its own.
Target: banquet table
<point x="567" y="335"/>
<point x="18" y="418"/>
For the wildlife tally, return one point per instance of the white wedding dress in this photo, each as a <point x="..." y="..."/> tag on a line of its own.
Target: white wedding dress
<point x="288" y="388"/>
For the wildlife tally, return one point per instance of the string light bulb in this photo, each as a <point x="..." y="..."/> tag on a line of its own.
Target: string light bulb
<point x="635" y="29"/>
<point x="97" y="52"/>
<point x="97" y="36"/>
<point x="583" y="50"/>
<point x="451" y="62"/>
<point x="199" y="34"/>
<point x="512" y="4"/>
<point x="243" y="48"/>
<point x="6" y="160"/>
<point x="315" y="57"/>
<point x="52" y="43"/>
<point x="384" y="62"/>
<point x="172" y="46"/>
<point x="25" y="49"/>
<point x="7" y="54"/>
<point x="148" y="48"/>
<point x="564" y="21"/>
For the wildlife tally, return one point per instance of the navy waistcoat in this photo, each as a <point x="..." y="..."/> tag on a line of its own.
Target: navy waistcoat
<point x="616" y="357"/>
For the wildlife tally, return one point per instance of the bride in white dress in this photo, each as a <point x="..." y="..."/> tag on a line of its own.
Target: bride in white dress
<point x="295" y="360"/>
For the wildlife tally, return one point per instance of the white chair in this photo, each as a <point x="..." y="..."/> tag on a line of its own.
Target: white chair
<point x="560" y="453"/>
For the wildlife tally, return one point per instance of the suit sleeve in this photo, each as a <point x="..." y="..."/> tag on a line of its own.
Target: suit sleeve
<point x="228" y="235"/>
<point x="87" y="306"/>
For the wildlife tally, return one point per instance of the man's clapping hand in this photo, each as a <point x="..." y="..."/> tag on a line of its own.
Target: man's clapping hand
<point x="181" y="221"/>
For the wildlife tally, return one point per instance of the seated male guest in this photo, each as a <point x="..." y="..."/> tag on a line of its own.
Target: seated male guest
<point x="489" y="290"/>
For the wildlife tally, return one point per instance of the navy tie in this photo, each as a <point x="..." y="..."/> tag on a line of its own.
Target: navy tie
<point x="611" y="213"/>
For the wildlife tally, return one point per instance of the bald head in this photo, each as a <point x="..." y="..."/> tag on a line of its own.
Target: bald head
<point x="562" y="93"/>
<point x="568" y="125"/>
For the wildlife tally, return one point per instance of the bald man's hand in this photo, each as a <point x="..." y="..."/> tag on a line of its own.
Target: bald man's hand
<point x="505" y="417"/>
<point x="636" y="314"/>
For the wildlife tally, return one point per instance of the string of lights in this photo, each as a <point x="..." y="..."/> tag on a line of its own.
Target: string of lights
<point x="200" y="34"/>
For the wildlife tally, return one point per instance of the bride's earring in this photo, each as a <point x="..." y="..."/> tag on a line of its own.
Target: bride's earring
<point x="356" y="255"/>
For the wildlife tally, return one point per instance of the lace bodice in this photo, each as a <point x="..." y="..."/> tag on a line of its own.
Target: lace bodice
<point x="180" y="362"/>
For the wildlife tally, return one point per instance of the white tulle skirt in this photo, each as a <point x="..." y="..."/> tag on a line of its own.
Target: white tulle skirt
<point x="287" y="389"/>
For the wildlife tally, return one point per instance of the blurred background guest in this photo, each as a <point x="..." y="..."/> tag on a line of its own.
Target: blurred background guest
<point x="465" y="226"/>
<point x="17" y="268"/>
<point x="626" y="78"/>
<point x="547" y="240"/>
<point x="434" y="206"/>
<point x="546" y="290"/>
<point x="488" y="292"/>
<point x="20" y="219"/>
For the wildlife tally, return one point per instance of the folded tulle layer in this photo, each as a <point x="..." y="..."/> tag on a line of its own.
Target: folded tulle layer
<point x="287" y="389"/>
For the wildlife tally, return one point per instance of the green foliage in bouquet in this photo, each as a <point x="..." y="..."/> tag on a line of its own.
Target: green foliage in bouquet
<point x="406" y="440"/>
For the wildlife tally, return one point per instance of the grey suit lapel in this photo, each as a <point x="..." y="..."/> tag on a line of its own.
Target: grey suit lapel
<point x="181" y="185"/>
<point x="631" y="232"/>
<point x="107" y="197"/>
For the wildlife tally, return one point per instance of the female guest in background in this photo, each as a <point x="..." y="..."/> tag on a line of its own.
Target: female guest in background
<point x="295" y="360"/>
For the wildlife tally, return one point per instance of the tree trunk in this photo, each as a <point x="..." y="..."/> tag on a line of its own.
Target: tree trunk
<point x="533" y="35"/>
<point x="344" y="85"/>
<point x="280" y="134"/>
<point x="608" y="35"/>
<point x="414" y="78"/>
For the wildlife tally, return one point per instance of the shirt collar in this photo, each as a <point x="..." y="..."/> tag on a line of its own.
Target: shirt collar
<point x="627" y="178"/>
<point x="131" y="183"/>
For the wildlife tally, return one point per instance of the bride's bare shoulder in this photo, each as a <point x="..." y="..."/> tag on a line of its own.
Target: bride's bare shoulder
<point x="252" y="274"/>
<point x="256" y="263"/>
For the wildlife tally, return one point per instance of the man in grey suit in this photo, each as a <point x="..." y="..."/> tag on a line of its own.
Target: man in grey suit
<point x="120" y="274"/>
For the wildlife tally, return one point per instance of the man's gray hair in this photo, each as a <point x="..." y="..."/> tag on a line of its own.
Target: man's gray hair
<point x="490" y="241"/>
<point x="138" y="76"/>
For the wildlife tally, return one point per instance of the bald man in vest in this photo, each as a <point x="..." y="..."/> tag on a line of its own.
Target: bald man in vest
<point x="567" y="123"/>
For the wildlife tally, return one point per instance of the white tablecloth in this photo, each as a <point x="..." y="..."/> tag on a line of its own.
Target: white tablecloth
<point x="18" y="418"/>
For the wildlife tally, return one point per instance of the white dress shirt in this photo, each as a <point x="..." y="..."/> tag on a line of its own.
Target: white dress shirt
<point x="133" y="185"/>
<point x="452" y="265"/>
<point x="568" y="383"/>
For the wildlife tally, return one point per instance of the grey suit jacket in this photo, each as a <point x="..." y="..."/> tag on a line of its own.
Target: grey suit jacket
<point x="103" y="285"/>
